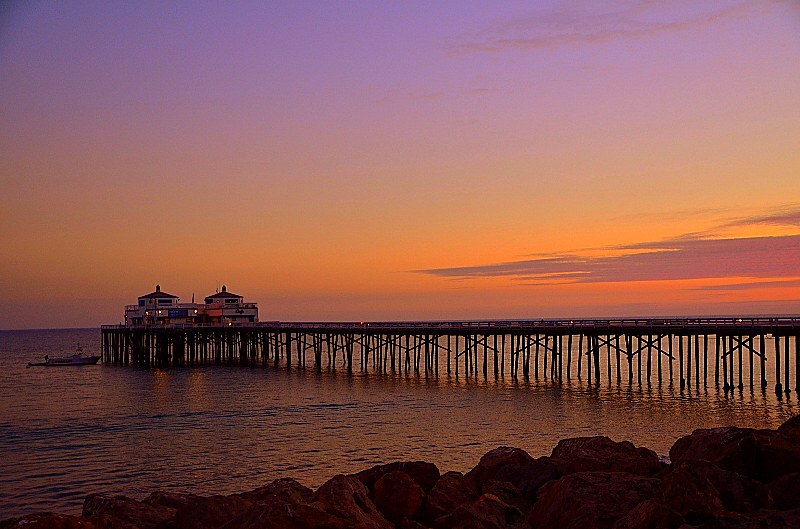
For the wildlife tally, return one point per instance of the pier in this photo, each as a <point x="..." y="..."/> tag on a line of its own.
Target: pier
<point x="693" y="352"/>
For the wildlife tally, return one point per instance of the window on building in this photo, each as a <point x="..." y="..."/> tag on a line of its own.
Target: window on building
<point x="231" y="301"/>
<point x="141" y="303"/>
<point x="165" y="302"/>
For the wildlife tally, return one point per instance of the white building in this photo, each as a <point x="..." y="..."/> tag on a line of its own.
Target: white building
<point x="161" y="308"/>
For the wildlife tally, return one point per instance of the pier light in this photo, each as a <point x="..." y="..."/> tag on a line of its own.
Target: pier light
<point x="195" y="311"/>
<point x="146" y="313"/>
<point x="159" y="312"/>
<point x="739" y="320"/>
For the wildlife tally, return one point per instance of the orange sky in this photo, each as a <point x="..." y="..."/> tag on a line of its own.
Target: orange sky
<point x="401" y="161"/>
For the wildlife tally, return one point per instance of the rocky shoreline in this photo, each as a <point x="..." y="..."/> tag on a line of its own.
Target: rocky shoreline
<point x="718" y="478"/>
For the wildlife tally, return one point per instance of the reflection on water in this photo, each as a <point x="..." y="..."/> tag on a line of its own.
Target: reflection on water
<point x="70" y="431"/>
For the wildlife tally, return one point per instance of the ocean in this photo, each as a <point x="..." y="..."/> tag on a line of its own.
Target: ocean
<point x="68" y="432"/>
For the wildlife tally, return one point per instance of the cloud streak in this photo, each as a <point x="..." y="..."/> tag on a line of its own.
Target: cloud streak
<point x="676" y="259"/>
<point x="572" y="27"/>
<point x="751" y="285"/>
<point x="786" y="217"/>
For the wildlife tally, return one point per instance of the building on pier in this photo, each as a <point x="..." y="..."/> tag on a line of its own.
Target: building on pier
<point x="161" y="308"/>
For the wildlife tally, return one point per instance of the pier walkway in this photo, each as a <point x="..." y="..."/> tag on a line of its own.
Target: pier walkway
<point x="732" y="352"/>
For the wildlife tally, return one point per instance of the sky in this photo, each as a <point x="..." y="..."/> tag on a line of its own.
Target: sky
<point x="349" y="160"/>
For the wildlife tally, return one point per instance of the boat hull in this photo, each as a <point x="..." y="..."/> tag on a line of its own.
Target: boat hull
<point x="67" y="361"/>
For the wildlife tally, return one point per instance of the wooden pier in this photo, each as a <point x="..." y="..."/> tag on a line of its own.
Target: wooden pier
<point x="695" y="352"/>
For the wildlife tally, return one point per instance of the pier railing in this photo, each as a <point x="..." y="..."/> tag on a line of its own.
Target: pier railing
<point x="728" y="321"/>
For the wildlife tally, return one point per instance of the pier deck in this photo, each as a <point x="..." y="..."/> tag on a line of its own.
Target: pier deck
<point x="732" y="352"/>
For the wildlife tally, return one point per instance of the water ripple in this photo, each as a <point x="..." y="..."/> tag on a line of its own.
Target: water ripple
<point x="65" y="433"/>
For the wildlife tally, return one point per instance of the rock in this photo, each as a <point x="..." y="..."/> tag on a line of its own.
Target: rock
<point x="451" y="491"/>
<point x="124" y="511"/>
<point x="424" y="474"/>
<point x="791" y="429"/>
<point x="515" y="466"/>
<point x="169" y="499"/>
<point x="282" y="513"/>
<point x="341" y="503"/>
<point x="238" y="510"/>
<point x="765" y="519"/>
<point x="764" y="455"/>
<point x="287" y="490"/>
<point x="785" y="492"/>
<point x="650" y="514"/>
<point x="398" y="496"/>
<point x="285" y="504"/>
<point x="508" y="493"/>
<point x="411" y="524"/>
<point x="589" y="500"/>
<point x="691" y="493"/>
<point x="48" y="520"/>
<point x="778" y="519"/>
<point x="347" y="498"/>
<point x="700" y="490"/>
<point x="209" y="512"/>
<point x="487" y="512"/>
<point x="596" y="454"/>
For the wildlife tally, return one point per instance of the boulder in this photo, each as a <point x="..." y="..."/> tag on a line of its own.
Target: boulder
<point x="791" y="429"/>
<point x="347" y="498"/>
<point x="285" y="504"/>
<point x="515" y="466"/>
<point x="451" y="491"/>
<point x="170" y="499"/>
<point x="508" y="493"/>
<point x="765" y="519"/>
<point x="249" y="509"/>
<point x="411" y="524"/>
<point x="487" y="512"/>
<point x="764" y="455"/>
<point x="48" y="520"/>
<point x="398" y="496"/>
<point x="779" y="519"/>
<point x="785" y="492"/>
<point x="125" y="512"/>
<point x="601" y="454"/>
<point x="424" y="474"/>
<point x="589" y="500"/>
<point x="283" y="513"/>
<point x="650" y="514"/>
<point x="690" y="493"/>
<point x="700" y="491"/>
<point x="209" y="512"/>
<point x="286" y="489"/>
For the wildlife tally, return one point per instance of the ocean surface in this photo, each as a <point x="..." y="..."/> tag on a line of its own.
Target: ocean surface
<point x="67" y="432"/>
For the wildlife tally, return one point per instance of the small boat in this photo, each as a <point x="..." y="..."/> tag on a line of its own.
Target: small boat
<point x="77" y="359"/>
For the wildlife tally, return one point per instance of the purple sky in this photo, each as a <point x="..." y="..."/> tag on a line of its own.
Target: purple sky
<point x="315" y="155"/>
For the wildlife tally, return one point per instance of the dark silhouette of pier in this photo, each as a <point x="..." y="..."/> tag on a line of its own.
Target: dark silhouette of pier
<point x="731" y="352"/>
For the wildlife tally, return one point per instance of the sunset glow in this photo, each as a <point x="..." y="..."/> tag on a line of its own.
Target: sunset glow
<point x="370" y="160"/>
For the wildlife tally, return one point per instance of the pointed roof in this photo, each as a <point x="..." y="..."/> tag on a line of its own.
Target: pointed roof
<point x="157" y="294"/>
<point x="223" y="294"/>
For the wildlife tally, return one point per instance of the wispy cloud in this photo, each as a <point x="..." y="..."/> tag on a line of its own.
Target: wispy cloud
<point x="750" y="285"/>
<point x="597" y="23"/>
<point x="757" y="257"/>
<point x="675" y="259"/>
<point x="788" y="216"/>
